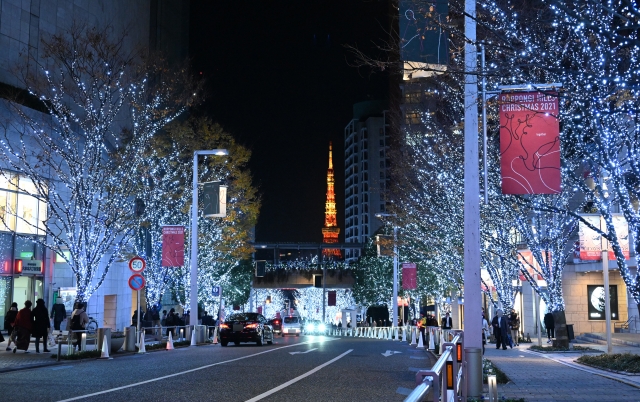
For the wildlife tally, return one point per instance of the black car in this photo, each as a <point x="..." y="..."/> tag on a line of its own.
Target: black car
<point x="245" y="327"/>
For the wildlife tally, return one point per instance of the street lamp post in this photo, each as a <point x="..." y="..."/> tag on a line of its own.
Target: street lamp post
<point x="394" y="301"/>
<point x="193" y="295"/>
<point x="605" y="277"/>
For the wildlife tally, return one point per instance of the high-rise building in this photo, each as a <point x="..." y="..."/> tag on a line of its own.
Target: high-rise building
<point x="366" y="143"/>
<point x="330" y="231"/>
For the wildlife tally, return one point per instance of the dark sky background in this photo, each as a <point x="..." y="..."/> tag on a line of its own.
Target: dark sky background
<point x="279" y="80"/>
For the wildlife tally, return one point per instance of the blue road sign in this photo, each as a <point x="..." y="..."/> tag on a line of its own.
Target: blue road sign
<point x="216" y="291"/>
<point x="136" y="282"/>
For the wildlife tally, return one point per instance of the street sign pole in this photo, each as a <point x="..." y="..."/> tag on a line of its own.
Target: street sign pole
<point x="137" y="265"/>
<point x="138" y="325"/>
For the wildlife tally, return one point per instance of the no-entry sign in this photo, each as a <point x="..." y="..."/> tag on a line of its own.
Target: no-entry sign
<point x="136" y="282"/>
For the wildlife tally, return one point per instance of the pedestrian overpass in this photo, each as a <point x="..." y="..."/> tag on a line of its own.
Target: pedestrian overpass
<point x="301" y="265"/>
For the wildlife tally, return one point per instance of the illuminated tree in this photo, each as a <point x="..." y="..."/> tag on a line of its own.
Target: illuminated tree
<point x="102" y="106"/>
<point x="309" y="303"/>
<point x="223" y="243"/>
<point x="590" y="48"/>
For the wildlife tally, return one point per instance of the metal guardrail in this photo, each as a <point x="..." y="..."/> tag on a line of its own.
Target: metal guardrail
<point x="446" y="379"/>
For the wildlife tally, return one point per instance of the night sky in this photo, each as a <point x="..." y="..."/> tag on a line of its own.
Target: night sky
<point x="279" y="80"/>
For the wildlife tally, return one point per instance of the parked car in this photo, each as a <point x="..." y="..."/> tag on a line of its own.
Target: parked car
<point x="291" y="325"/>
<point x="276" y="325"/>
<point x="245" y="327"/>
<point x="315" y="328"/>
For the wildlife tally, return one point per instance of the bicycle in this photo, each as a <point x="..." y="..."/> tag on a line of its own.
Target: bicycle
<point x="92" y="326"/>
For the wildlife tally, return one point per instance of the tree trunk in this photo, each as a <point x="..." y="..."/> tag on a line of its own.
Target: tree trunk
<point x="560" y="325"/>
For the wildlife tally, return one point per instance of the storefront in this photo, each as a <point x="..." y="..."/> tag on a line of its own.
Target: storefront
<point x="22" y="262"/>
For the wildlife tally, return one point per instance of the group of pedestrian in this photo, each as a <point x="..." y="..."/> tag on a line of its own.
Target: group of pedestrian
<point x="24" y="323"/>
<point x="506" y="330"/>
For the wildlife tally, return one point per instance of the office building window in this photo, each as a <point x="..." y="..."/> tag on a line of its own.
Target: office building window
<point x="412" y="117"/>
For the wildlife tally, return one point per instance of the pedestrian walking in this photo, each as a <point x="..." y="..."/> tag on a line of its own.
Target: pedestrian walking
<point x="447" y="322"/>
<point x="22" y="328"/>
<point x="155" y="319"/>
<point x="485" y="332"/>
<point x="79" y="319"/>
<point x="500" y="330"/>
<point x="514" y="323"/>
<point x="58" y="313"/>
<point x="41" y="325"/>
<point x="549" y="324"/>
<point x="9" y="318"/>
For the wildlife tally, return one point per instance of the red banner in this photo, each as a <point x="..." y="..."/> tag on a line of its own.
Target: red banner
<point x="529" y="143"/>
<point x="331" y="298"/>
<point x="172" y="246"/>
<point x="409" y="276"/>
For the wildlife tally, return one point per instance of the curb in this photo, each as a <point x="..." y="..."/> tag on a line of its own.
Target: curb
<point x="71" y="361"/>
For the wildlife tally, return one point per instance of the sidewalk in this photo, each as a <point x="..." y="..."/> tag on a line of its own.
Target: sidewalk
<point x="10" y="361"/>
<point x="540" y="377"/>
<point x="20" y="360"/>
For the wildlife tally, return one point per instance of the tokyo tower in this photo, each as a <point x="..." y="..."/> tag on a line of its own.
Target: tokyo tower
<point x="330" y="231"/>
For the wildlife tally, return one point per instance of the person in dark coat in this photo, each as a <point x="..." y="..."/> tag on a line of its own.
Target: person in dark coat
<point x="58" y="313"/>
<point x="447" y="322"/>
<point x="549" y="324"/>
<point x="41" y="325"/>
<point x="9" y="318"/>
<point x="500" y="329"/>
<point x="171" y="321"/>
<point x="22" y="328"/>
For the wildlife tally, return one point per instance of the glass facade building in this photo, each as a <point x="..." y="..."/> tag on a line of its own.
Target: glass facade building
<point x="21" y="222"/>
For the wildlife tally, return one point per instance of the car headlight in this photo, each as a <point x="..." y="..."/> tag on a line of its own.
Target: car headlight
<point x="311" y="327"/>
<point x="322" y="327"/>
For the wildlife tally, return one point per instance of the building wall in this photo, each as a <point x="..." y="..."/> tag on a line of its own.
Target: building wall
<point x="576" y="301"/>
<point x="23" y="24"/>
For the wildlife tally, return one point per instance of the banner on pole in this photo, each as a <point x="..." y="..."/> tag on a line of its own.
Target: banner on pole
<point x="409" y="276"/>
<point x="529" y="143"/>
<point x="172" y="246"/>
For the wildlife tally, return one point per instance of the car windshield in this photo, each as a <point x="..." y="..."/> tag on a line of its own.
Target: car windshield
<point x="243" y="317"/>
<point x="290" y="320"/>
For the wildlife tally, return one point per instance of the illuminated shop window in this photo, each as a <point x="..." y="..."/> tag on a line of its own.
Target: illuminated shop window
<point x="19" y="210"/>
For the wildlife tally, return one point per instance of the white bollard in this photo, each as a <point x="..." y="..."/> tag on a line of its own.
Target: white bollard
<point x="413" y="336"/>
<point x="215" y="335"/>
<point x="390" y="333"/>
<point x="420" y="343"/>
<point x="193" y="337"/>
<point x="105" y="349"/>
<point x="397" y="334"/>
<point x="170" y="341"/>
<point x="404" y="333"/>
<point x="432" y="345"/>
<point x="141" y="346"/>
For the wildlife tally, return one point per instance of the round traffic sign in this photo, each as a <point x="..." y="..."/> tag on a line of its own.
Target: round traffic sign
<point x="137" y="264"/>
<point x="136" y="282"/>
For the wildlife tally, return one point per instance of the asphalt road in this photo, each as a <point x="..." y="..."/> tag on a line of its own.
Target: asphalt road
<point x="308" y="368"/>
